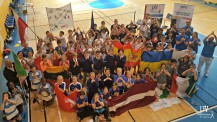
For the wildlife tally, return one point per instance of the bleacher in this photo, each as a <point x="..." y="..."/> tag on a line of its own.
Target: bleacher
<point x="9" y="24"/>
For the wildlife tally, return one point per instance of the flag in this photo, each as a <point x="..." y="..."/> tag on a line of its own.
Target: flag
<point x="137" y="96"/>
<point x="153" y="60"/>
<point x="92" y="22"/>
<point x="18" y="66"/>
<point x="66" y="103"/>
<point x="37" y="63"/>
<point x="53" y="72"/>
<point x="132" y="56"/>
<point x="179" y="54"/>
<point x="21" y="25"/>
<point x="183" y="86"/>
<point x="165" y="94"/>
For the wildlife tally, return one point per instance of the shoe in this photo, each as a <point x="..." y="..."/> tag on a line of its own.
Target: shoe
<point x="206" y="74"/>
<point x="196" y="89"/>
<point x="108" y="119"/>
<point x="42" y="110"/>
<point x="34" y="100"/>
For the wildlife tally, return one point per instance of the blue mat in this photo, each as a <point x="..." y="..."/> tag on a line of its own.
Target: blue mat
<point x="106" y="4"/>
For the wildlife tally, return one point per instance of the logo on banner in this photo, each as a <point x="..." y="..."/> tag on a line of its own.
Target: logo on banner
<point x="206" y="114"/>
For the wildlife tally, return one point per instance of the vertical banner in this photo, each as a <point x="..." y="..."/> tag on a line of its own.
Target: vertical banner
<point x="1" y="50"/>
<point x="60" y="18"/>
<point x="154" y="10"/>
<point x="181" y="13"/>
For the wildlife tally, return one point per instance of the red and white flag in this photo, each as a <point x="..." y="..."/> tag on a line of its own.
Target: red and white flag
<point x="21" y="25"/>
<point x="137" y="96"/>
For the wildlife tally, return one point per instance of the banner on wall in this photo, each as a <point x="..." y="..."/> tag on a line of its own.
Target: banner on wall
<point x="60" y="18"/>
<point x="154" y="10"/>
<point x="181" y="13"/>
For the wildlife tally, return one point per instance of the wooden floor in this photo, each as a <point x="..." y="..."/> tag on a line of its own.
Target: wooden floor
<point x="204" y="21"/>
<point x="138" y="114"/>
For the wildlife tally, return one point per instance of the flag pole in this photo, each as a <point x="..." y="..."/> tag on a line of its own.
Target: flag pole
<point x="33" y="32"/>
<point x="134" y="16"/>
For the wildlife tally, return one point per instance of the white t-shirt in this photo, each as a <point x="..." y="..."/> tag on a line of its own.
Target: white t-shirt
<point x="144" y="30"/>
<point x="104" y="35"/>
<point x="63" y="40"/>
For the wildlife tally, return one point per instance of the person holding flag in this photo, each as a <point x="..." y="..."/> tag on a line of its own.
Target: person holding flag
<point x="189" y="87"/>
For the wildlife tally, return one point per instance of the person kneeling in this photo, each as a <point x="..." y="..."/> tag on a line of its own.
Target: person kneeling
<point x="83" y="107"/>
<point x="98" y="106"/>
<point x="44" y="93"/>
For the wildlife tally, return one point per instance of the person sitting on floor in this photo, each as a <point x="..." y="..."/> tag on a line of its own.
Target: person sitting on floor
<point x="83" y="107"/>
<point x="8" y="106"/>
<point x="119" y="79"/>
<point x="75" y="86"/>
<point x="147" y="75"/>
<point x="16" y="92"/>
<point x="114" y="90"/>
<point x="35" y="78"/>
<point x="129" y="80"/>
<point x="61" y="84"/>
<point x="107" y="79"/>
<point x="45" y="96"/>
<point x="138" y="79"/>
<point x="105" y="94"/>
<point x="98" y="106"/>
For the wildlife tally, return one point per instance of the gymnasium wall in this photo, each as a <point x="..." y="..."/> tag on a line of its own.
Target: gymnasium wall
<point x="4" y="10"/>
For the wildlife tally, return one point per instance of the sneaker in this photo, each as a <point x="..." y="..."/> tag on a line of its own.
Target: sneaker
<point x="206" y="74"/>
<point x="34" y="100"/>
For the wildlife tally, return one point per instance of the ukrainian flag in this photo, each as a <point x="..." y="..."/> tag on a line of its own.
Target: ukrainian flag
<point x="132" y="56"/>
<point x="153" y="60"/>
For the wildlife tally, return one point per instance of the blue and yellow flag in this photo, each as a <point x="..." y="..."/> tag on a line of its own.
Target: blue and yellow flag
<point x="153" y="60"/>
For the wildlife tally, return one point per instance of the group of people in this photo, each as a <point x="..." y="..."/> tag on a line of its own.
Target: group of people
<point x="89" y="61"/>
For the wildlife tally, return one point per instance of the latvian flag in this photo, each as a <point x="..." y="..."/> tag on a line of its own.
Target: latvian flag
<point x="21" y="25"/>
<point x="183" y="86"/>
<point x="137" y="96"/>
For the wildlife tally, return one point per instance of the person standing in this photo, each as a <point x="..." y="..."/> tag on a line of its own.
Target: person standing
<point x="207" y="53"/>
<point x="182" y="40"/>
<point x="10" y="73"/>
